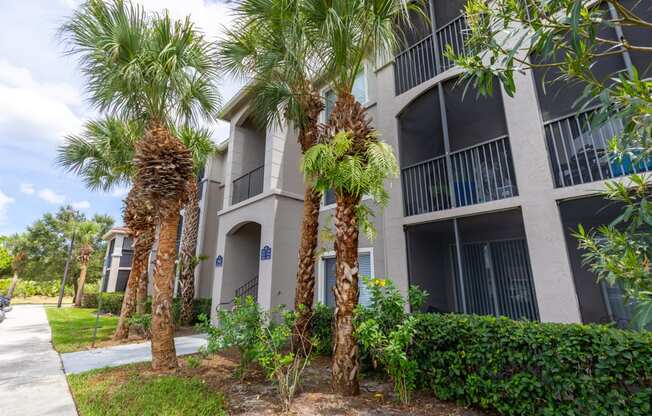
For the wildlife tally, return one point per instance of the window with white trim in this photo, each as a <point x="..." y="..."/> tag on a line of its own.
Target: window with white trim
<point x="359" y="91"/>
<point x="364" y="267"/>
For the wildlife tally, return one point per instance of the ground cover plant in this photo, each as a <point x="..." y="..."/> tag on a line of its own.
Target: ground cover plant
<point x="72" y="328"/>
<point x="107" y="393"/>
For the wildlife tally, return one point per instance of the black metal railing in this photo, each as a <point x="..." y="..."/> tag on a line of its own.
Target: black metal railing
<point x="579" y="151"/>
<point x="477" y="174"/>
<point x="248" y="185"/>
<point x="454" y="34"/>
<point x="417" y="63"/>
<point x="248" y="289"/>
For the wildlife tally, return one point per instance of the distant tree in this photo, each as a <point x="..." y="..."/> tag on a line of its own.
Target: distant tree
<point x="5" y="261"/>
<point x="86" y="233"/>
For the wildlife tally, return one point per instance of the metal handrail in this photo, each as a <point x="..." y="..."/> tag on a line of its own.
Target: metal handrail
<point x="248" y="173"/>
<point x="455" y="19"/>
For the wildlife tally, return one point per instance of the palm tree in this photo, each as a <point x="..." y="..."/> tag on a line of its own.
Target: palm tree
<point x="352" y="161"/>
<point x="86" y="233"/>
<point x="199" y="142"/>
<point x="103" y="156"/>
<point x="159" y="72"/>
<point x="268" y="44"/>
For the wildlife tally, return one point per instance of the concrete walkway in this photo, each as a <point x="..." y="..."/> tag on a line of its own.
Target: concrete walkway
<point x="32" y="382"/>
<point x="80" y="361"/>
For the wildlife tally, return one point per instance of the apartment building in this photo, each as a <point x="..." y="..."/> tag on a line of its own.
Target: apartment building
<point x="483" y="214"/>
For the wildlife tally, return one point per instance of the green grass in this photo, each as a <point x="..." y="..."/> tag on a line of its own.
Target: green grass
<point x="72" y="328"/>
<point x="126" y="391"/>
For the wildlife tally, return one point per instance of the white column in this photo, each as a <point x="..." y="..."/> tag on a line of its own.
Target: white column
<point x="553" y="278"/>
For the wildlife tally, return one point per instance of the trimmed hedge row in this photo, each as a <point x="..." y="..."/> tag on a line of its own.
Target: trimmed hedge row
<point x="112" y="303"/>
<point x="531" y="368"/>
<point x="27" y="288"/>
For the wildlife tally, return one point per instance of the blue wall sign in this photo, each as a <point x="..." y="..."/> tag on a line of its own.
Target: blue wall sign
<point x="219" y="261"/>
<point x="266" y="253"/>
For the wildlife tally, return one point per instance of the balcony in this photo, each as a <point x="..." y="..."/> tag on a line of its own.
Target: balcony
<point x="478" y="174"/>
<point x="248" y="185"/>
<point x="418" y="63"/>
<point x="579" y="151"/>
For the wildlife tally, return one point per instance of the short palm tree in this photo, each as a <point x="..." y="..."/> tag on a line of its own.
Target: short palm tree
<point x="159" y="72"/>
<point x="352" y="161"/>
<point x="86" y="233"/>
<point x="103" y="156"/>
<point x="269" y="46"/>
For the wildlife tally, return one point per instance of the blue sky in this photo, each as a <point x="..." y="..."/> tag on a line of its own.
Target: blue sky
<point x="42" y="100"/>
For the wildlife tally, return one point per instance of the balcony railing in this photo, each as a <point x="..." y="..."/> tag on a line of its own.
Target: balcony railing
<point x="417" y="63"/>
<point x="248" y="185"/>
<point x="454" y="34"/>
<point x="579" y="150"/>
<point x="480" y="173"/>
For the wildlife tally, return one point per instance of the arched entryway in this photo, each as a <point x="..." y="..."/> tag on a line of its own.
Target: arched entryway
<point x="241" y="262"/>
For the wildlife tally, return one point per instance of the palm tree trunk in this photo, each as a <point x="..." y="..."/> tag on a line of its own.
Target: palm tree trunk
<point x="143" y="283"/>
<point x="305" y="290"/>
<point x="188" y="252"/>
<point x="129" y="300"/>
<point x="83" y="268"/>
<point x="163" y="352"/>
<point x="12" y="286"/>
<point x="345" y="347"/>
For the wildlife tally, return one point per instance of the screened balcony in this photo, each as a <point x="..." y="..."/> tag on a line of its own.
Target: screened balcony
<point x="422" y="56"/>
<point x="457" y="157"/>
<point x="496" y="276"/>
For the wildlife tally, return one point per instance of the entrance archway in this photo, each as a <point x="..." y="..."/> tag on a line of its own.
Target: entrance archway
<point x="241" y="262"/>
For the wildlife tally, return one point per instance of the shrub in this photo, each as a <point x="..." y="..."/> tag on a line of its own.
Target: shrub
<point x="531" y="368"/>
<point x="28" y="288"/>
<point x="142" y="324"/>
<point x="112" y="303"/>
<point x="385" y="333"/>
<point x="276" y="355"/>
<point x="238" y="328"/>
<point x="322" y="329"/>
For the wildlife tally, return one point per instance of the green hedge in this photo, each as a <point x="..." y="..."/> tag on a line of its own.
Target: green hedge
<point x="27" y="288"/>
<point x="530" y="368"/>
<point x="112" y="303"/>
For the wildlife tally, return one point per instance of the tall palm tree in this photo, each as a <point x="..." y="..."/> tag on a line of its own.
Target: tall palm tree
<point x="86" y="233"/>
<point x="201" y="146"/>
<point x="147" y="67"/>
<point x="268" y="44"/>
<point x="353" y="161"/>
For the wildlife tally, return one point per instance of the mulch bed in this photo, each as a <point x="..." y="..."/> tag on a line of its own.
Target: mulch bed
<point x="255" y="395"/>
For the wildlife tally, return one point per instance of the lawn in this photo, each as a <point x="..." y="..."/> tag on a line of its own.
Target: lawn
<point x="129" y="390"/>
<point x="72" y="328"/>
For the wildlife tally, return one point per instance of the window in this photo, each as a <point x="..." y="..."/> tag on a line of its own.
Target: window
<point x="364" y="265"/>
<point x="359" y="91"/>
<point x="329" y="197"/>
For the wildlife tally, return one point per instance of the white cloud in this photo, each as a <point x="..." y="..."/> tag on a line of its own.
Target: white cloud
<point x="48" y="195"/>
<point x="120" y="192"/>
<point x="33" y="109"/>
<point x="5" y="201"/>
<point x="27" y="188"/>
<point x="81" y="205"/>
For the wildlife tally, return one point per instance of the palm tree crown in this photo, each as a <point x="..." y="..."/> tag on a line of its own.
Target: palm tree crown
<point x="143" y="66"/>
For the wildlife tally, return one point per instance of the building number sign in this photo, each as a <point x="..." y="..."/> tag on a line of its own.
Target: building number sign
<point x="266" y="253"/>
<point x="219" y="261"/>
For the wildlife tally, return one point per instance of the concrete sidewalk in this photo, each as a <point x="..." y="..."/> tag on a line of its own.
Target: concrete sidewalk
<point x="80" y="361"/>
<point x="32" y="382"/>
